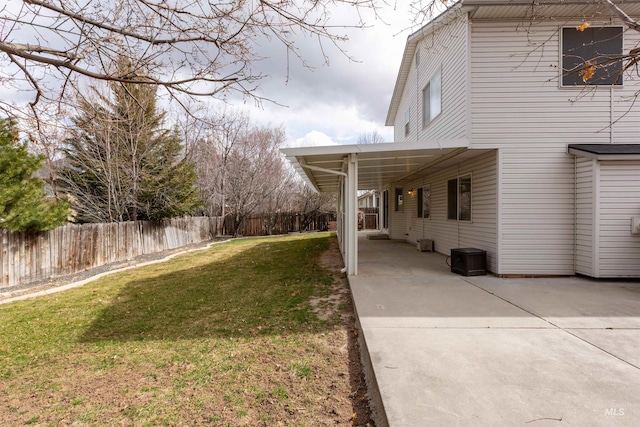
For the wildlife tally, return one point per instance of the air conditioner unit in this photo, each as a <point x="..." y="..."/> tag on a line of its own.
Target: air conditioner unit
<point x="469" y="261"/>
<point x="425" y="245"/>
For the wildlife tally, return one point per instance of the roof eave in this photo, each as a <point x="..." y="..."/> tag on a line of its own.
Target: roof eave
<point x="477" y="3"/>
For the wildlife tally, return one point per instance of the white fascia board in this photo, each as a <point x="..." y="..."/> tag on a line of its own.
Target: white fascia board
<point x="375" y="148"/>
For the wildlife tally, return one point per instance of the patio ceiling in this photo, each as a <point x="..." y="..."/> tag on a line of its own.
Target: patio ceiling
<point x="378" y="164"/>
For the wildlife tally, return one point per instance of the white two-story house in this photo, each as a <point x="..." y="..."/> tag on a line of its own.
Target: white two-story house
<point x="516" y="132"/>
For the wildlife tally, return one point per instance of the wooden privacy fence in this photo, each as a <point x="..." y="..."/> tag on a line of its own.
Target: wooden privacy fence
<point x="27" y="258"/>
<point x="279" y="223"/>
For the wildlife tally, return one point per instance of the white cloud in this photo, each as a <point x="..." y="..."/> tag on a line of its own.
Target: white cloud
<point x="342" y="123"/>
<point x="312" y="139"/>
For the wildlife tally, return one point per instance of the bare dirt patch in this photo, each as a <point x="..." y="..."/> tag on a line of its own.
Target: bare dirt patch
<point x="341" y="295"/>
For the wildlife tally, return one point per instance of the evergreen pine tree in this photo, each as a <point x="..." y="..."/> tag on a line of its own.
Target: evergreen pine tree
<point x="23" y="203"/>
<point x="123" y="165"/>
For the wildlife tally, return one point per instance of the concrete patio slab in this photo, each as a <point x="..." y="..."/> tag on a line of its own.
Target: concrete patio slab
<point x="622" y="343"/>
<point x="435" y="303"/>
<point x="571" y="302"/>
<point x="448" y="350"/>
<point x="499" y="377"/>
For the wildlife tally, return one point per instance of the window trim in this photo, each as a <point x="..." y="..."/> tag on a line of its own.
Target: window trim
<point x="385" y="209"/>
<point x="399" y="199"/>
<point x="421" y="202"/>
<point x="407" y="122"/>
<point x="427" y="107"/>
<point x="458" y="205"/>
<point x="561" y="69"/>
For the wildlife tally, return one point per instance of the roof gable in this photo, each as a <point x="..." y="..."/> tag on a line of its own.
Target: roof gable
<point x="409" y="53"/>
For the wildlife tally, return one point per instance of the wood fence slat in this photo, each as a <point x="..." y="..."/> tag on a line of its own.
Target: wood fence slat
<point x="26" y="258"/>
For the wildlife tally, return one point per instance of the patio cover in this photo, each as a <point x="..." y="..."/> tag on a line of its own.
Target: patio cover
<point x="345" y="169"/>
<point x="378" y="164"/>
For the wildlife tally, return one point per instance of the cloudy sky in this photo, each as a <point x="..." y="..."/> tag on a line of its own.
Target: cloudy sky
<point x="332" y="103"/>
<point x="335" y="103"/>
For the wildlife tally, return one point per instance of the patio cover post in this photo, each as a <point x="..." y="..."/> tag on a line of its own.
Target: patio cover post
<point x="341" y="217"/>
<point x="352" y="215"/>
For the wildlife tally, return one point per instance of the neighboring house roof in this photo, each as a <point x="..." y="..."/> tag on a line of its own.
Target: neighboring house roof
<point x="606" y="151"/>
<point x="507" y="10"/>
<point x="366" y="194"/>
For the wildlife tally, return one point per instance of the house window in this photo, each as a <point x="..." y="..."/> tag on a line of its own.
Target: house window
<point x="407" y="118"/>
<point x="432" y="99"/>
<point x="459" y="198"/>
<point x="424" y="202"/>
<point x="399" y="201"/>
<point x="592" y="56"/>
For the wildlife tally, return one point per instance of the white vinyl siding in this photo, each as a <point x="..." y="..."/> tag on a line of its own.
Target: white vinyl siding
<point x="586" y="216"/>
<point x="479" y="233"/>
<point x="619" y="250"/>
<point x="537" y="206"/>
<point x="516" y="98"/>
<point x="448" y="51"/>
<point x="397" y="222"/>
<point x="518" y="107"/>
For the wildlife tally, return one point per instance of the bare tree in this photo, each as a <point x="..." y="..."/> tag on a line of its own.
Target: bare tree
<point x="370" y="138"/>
<point x="310" y="202"/>
<point x="212" y="154"/>
<point x="242" y="173"/>
<point x="254" y="171"/>
<point x="193" y="48"/>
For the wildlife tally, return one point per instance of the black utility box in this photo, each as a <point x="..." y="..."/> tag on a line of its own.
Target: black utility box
<point x="469" y="261"/>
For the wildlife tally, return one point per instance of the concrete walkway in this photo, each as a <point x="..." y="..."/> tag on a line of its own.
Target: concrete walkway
<point x="449" y="350"/>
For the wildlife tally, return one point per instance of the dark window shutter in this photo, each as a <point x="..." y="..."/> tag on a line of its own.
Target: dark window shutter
<point x="420" y="197"/>
<point x="452" y="199"/>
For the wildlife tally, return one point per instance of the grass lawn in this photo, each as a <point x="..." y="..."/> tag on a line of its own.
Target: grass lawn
<point x="248" y="332"/>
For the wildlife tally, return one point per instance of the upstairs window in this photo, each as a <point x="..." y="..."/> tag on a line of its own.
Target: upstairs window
<point x="432" y="99"/>
<point x="407" y="118"/>
<point x="592" y="56"/>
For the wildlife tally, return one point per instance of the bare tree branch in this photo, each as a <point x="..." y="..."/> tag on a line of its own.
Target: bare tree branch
<point x="196" y="48"/>
<point x="629" y="22"/>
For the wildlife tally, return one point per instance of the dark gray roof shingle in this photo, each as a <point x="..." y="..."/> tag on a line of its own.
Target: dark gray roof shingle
<point x="605" y="149"/>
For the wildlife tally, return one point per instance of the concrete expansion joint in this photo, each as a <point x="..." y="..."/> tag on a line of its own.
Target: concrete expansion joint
<point x="558" y="327"/>
<point x="465" y="328"/>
